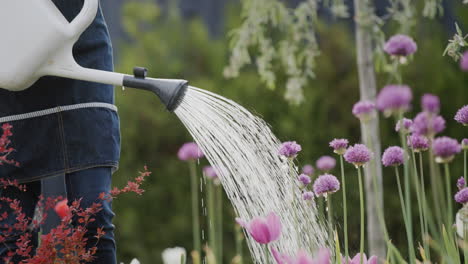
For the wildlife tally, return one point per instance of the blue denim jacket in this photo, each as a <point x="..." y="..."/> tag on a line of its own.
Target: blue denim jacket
<point x="62" y="125"/>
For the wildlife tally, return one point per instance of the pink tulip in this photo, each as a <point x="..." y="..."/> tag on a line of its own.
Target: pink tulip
<point x="357" y="260"/>
<point x="281" y="258"/>
<point x="323" y="257"/>
<point x="263" y="230"/>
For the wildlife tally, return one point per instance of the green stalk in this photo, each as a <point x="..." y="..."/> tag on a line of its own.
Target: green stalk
<point x="195" y="213"/>
<point x="361" y="198"/>
<point x="412" y="254"/>
<point x="464" y="164"/>
<point x="448" y="186"/>
<point x="239" y="237"/>
<point x="219" y="224"/>
<point x="437" y="196"/>
<point x="345" y="210"/>
<point x="267" y="254"/>
<point x="330" y="216"/>
<point x="420" y="200"/>
<point x="212" y="228"/>
<point x="425" y="206"/>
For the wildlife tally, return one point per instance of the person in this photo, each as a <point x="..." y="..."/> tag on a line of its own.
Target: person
<point x="69" y="128"/>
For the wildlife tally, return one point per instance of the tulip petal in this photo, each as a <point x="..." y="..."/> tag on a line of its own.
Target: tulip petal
<point x="259" y="230"/>
<point x="274" y="226"/>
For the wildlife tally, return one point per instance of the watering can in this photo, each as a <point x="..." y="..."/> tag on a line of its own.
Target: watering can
<point x="37" y="41"/>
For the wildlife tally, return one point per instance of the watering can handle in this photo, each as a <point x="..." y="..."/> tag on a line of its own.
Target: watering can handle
<point x="84" y="18"/>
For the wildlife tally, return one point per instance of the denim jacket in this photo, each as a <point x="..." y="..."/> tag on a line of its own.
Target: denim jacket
<point x="62" y="125"/>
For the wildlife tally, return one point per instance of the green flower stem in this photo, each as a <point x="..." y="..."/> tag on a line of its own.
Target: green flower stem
<point x="412" y="254"/>
<point x="195" y="211"/>
<point x="267" y="254"/>
<point x="239" y="238"/>
<point x="212" y="223"/>
<point x="436" y="185"/>
<point x="420" y="200"/>
<point x="219" y="218"/>
<point x="448" y="186"/>
<point x="361" y="198"/>
<point x="345" y="210"/>
<point x="330" y="216"/>
<point x="464" y="164"/>
<point x="425" y="206"/>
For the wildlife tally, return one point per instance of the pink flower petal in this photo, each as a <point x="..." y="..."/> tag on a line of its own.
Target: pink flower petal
<point x="241" y="222"/>
<point x="303" y="258"/>
<point x="357" y="259"/>
<point x="259" y="230"/>
<point x="373" y="260"/>
<point x="274" y="225"/>
<point x="280" y="258"/>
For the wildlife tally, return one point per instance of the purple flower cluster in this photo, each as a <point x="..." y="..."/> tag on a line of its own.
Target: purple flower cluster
<point x="400" y="45"/>
<point x="308" y="170"/>
<point x="364" y="110"/>
<point x="325" y="163"/>
<point x="464" y="61"/>
<point x="461" y="183"/>
<point x="190" y="151"/>
<point x="289" y="149"/>
<point x="445" y="149"/>
<point x="462" y="115"/>
<point x="394" y="98"/>
<point x="430" y="103"/>
<point x="326" y="184"/>
<point x="308" y="196"/>
<point x="358" y="155"/>
<point x="427" y="124"/>
<point x="210" y="172"/>
<point x="339" y="145"/>
<point x="393" y="156"/>
<point x="404" y="125"/>
<point x="462" y="196"/>
<point x="305" y="180"/>
<point x="418" y="142"/>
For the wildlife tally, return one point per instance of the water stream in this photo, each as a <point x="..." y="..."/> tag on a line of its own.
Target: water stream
<point x="256" y="180"/>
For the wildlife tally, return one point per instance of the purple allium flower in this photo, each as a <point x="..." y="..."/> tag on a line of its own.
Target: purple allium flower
<point x="445" y="149"/>
<point x="308" y="196"/>
<point x="308" y="169"/>
<point x="263" y="230"/>
<point x="358" y="155"/>
<point x="364" y="110"/>
<point x="464" y="143"/>
<point x="326" y="184"/>
<point x="462" y="196"/>
<point x="462" y="115"/>
<point x="418" y="142"/>
<point x="304" y="179"/>
<point x="400" y="45"/>
<point x="427" y="124"/>
<point x="430" y="103"/>
<point x="210" y="172"/>
<point x="325" y="163"/>
<point x="394" y="98"/>
<point x="464" y="61"/>
<point x="289" y="149"/>
<point x="393" y="156"/>
<point x="190" y="151"/>
<point x="404" y="124"/>
<point x="339" y="145"/>
<point x="461" y="183"/>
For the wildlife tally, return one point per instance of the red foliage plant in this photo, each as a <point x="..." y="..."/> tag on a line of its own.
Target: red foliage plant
<point x="64" y="244"/>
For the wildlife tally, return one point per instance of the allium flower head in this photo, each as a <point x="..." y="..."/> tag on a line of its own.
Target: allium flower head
<point x="305" y="180"/>
<point x="418" y="142"/>
<point x="404" y="125"/>
<point x="190" y="151"/>
<point x="393" y="99"/>
<point x="358" y="155"/>
<point x="308" y="170"/>
<point x="464" y="143"/>
<point x="339" y="145"/>
<point x="326" y="184"/>
<point x="326" y="163"/>
<point x="400" y="45"/>
<point x="364" y="110"/>
<point x="430" y="103"/>
<point x="393" y="156"/>
<point x="464" y="62"/>
<point x="462" y="115"/>
<point x="308" y="196"/>
<point x="445" y="149"/>
<point x="289" y="149"/>
<point x="461" y="183"/>
<point x="427" y="124"/>
<point x="263" y="230"/>
<point x="462" y="196"/>
<point x="210" y="172"/>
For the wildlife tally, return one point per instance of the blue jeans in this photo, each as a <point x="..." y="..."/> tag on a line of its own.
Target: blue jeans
<point x="85" y="184"/>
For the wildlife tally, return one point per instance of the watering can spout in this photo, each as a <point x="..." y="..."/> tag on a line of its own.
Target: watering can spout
<point x="171" y="92"/>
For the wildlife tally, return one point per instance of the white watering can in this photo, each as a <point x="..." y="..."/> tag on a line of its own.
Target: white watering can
<point x="37" y="40"/>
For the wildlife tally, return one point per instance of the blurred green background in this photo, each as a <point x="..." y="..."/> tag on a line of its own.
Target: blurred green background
<point x="173" y="47"/>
